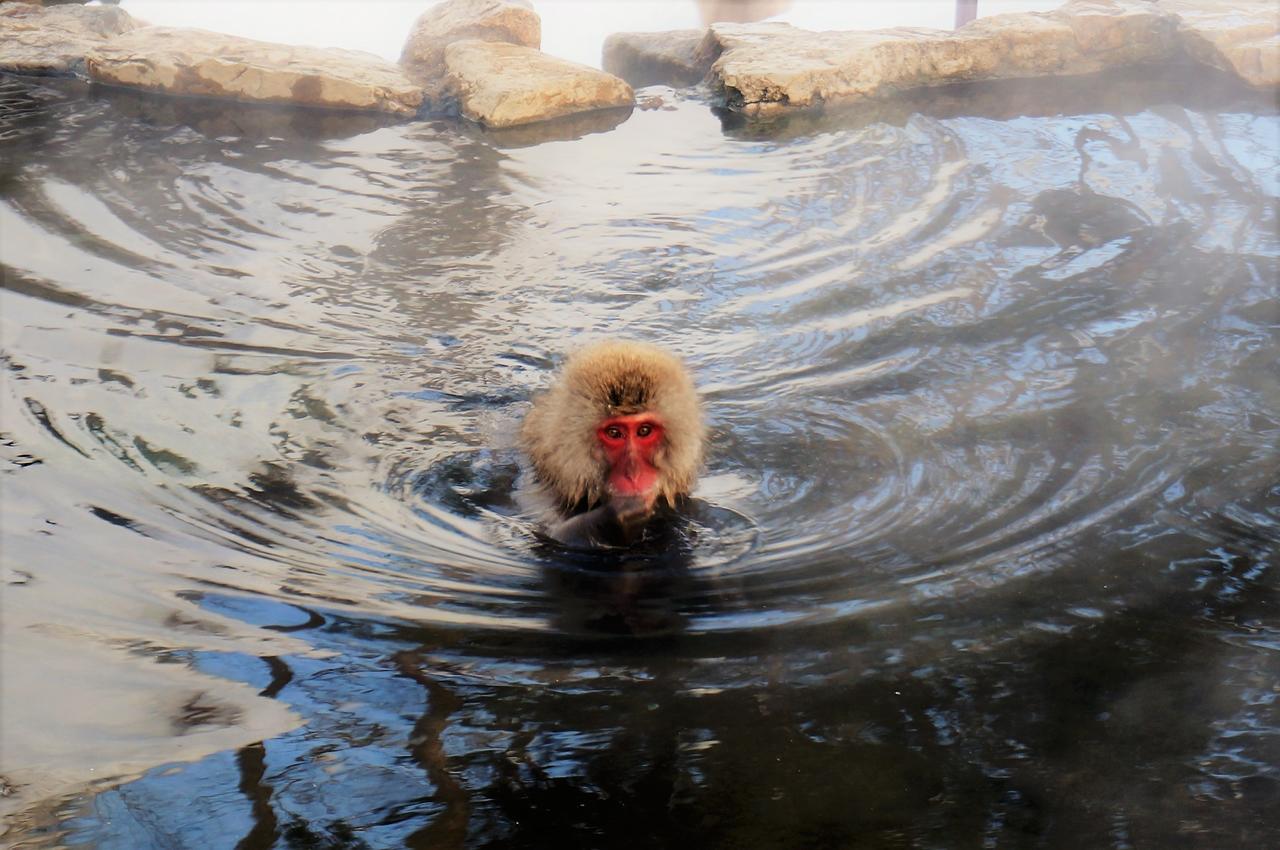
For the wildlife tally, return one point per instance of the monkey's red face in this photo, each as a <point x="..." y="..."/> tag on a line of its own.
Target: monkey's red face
<point x="630" y="444"/>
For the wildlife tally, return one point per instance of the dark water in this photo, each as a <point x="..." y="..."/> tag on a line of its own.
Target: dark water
<point x="985" y="554"/>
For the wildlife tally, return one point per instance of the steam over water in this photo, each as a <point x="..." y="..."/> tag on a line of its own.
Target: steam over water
<point x="984" y="553"/>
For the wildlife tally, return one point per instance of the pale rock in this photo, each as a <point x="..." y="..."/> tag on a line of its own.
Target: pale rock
<point x="54" y="40"/>
<point x="1241" y="36"/>
<point x="646" y="58"/>
<point x="505" y="85"/>
<point x="509" y="21"/>
<point x="760" y="68"/>
<point x="208" y="64"/>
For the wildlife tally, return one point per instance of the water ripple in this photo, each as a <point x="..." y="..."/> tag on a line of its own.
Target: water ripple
<point x="1002" y="375"/>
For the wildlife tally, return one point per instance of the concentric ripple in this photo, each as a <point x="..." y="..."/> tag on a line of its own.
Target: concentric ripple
<point x="928" y="365"/>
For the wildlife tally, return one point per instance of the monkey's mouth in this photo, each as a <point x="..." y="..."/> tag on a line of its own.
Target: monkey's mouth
<point x="640" y="480"/>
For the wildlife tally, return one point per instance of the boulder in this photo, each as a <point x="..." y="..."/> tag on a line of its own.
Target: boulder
<point x="646" y="58"/>
<point x="505" y="85"/>
<point x="54" y="40"/>
<point x="208" y="64"/>
<point x="1241" y="36"/>
<point x="759" y="68"/>
<point x="508" y="21"/>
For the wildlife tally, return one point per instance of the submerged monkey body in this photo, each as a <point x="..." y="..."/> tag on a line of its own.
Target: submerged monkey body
<point x="618" y="435"/>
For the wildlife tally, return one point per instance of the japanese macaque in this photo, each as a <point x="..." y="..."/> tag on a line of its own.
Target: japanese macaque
<point x="618" y="436"/>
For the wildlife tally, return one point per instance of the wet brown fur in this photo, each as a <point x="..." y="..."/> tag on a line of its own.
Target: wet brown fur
<point x="613" y="379"/>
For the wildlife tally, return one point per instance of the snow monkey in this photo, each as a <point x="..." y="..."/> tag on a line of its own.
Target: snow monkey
<point x="618" y="435"/>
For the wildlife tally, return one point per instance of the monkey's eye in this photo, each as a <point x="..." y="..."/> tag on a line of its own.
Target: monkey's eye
<point x="644" y="430"/>
<point x="613" y="432"/>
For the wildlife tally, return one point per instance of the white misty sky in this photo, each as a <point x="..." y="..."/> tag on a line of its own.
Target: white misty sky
<point x="571" y="29"/>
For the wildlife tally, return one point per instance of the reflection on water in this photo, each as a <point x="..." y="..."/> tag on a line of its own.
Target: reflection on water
<point x="984" y="553"/>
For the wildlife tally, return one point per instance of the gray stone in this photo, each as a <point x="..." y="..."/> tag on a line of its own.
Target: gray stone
<point x="208" y="64"/>
<point x="509" y="21"/>
<point x="54" y="40"/>
<point x="505" y="85"/>
<point x="646" y="58"/>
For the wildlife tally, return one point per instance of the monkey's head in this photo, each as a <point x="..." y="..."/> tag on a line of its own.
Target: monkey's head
<point x="622" y="422"/>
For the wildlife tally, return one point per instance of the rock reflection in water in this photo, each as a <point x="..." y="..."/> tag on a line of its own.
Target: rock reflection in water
<point x="984" y="553"/>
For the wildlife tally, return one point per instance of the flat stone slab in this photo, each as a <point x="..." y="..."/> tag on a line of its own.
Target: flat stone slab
<point x="54" y="40"/>
<point x="760" y="68"/>
<point x="506" y="85"/>
<point x="208" y="64"/>
<point x="646" y="58"/>
<point x="422" y="58"/>
<point x="1242" y="37"/>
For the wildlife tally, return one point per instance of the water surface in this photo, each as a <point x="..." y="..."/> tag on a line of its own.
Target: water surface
<point x="984" y="553"/>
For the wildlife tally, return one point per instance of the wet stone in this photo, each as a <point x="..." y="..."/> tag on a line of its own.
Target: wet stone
<point x="36" y="40"/>
<point x="197" y="62"/>
<point x="213" y="118"/>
